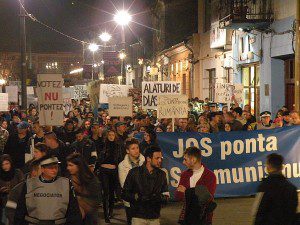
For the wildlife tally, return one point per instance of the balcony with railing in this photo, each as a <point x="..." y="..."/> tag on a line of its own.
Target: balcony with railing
<point x="245" y="14"/>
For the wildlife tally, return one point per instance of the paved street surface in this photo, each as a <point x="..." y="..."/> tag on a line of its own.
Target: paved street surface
<point x="235" y="211"/>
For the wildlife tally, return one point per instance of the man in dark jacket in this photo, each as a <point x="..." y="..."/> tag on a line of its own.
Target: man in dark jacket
<point x="121" y="131"/>
<point x="235" y="124"/>
<point x="86" y="147"/>
<point x="67" y="132"/>
<point x="17" y="145"/>
<point x="58" y="149"/>
<point x="146" y="189"/>
<point x="277" y="199"/>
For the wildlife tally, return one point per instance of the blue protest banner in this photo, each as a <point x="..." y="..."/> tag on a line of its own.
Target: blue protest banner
<point x="236" y="158"/>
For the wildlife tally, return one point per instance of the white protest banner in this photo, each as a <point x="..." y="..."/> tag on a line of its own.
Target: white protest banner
<point x="68" y="94"/>
<point x="80" y="92"/>
<point x="224" y="92"/>
<point x="12" y="92"/>
<point x="113" y="90"/>
<point x="3" y="102"/>
<point x="150" y="91"/>
<point x="238" y="92"/>
<point x="120" y="106"/>
<point x="93" y="90"/>
<point x="172" y="106"/>
<point x="50" y="99"/>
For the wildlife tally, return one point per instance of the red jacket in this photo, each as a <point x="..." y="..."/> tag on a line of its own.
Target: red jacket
<point x="207" y="179"/>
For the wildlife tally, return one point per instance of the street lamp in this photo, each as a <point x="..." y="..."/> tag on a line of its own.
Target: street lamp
<point x="122" y="18"/>
<point x="93" y="48"/>
<point x="122" y="55"/>
<point x="105" y="37"/>
<point x="140" y="61"/>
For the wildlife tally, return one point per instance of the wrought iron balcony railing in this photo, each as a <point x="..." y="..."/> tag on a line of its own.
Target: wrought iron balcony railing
<point x="246" y="14"/>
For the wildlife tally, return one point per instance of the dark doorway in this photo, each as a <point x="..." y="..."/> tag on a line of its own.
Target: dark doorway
<point x="289" y="83"/>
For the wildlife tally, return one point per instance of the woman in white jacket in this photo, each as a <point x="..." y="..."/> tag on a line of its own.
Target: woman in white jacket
<point x="133" y="159"/>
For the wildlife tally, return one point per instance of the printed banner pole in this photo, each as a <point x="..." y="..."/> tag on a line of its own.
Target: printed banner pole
<point x="173" y="124"/>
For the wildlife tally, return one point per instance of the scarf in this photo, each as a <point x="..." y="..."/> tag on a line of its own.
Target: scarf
<point x="7" y="175"/>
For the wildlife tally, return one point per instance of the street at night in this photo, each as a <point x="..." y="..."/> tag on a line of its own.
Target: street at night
<point x="149" y="112"/>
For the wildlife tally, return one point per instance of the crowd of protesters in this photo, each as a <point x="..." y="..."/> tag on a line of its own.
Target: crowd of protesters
<point x="105" y="163"/>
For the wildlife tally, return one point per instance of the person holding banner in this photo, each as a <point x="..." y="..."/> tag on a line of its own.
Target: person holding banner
<point x="196" y="175"/>
<point x="277" y="199"/>
<point x="295" y="118"/>
<point x="183" y="126"/>
<point x="266" y="122"/>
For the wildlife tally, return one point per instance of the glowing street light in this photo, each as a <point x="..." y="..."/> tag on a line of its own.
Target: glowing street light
<point x="122" y="18"/>
<point x="122" y="55"/>
<point x="140" y="61"/>
<point x="93" y="47"/>
<point x="105" y="37"/>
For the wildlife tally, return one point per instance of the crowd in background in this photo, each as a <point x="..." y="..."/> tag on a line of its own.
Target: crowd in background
<point x="91" y="145"/>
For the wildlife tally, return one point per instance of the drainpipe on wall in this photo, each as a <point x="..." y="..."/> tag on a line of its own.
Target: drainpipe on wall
<point x="192" y="69"/>
<point x="297" y="58"/>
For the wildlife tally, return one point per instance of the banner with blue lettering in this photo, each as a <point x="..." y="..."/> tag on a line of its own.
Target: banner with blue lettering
<point x="236" y="158"/>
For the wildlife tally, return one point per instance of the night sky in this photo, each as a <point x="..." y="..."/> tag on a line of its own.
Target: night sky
<point x="82" y="19"/>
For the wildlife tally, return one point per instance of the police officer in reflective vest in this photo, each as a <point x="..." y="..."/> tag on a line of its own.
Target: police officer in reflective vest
<point x="266" y="122"/>
<point x="48" y="199"/>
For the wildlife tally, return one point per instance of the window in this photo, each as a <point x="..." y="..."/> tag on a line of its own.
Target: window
<point x="184" y="84"/>
<point x="212" y="83"/>
<point x="248" y="44"/>
<point x="242" y="45"/>
<point x="228" y="75"/>
<point x="289" y="82"/>
<point x="250" y="76"/>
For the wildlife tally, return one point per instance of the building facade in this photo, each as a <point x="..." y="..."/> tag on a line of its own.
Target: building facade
<point x="38" y="63"/>
<point x="174" y="42"/>
<point x="258" y="51"/>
